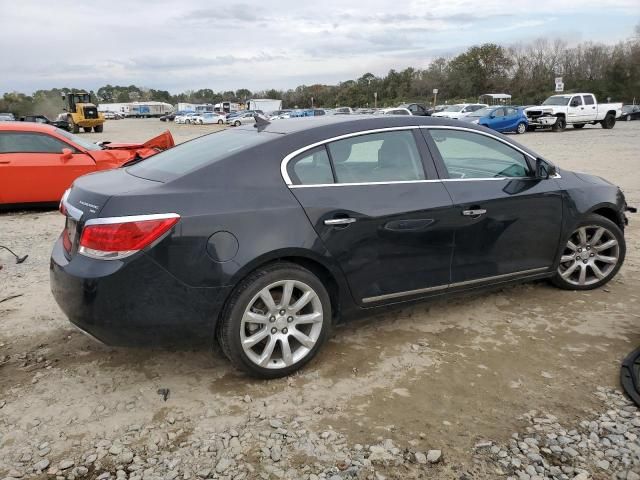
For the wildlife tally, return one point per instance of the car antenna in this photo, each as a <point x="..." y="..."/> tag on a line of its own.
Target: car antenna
<point x="261" y="122"/>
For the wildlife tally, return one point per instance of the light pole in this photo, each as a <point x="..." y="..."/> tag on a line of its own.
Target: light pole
<point x="435" y="96"/>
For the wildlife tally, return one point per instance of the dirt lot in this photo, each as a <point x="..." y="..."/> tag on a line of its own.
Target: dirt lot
<point x="443" y="375"/>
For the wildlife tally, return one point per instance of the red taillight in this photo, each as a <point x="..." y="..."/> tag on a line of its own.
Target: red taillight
<point x="112" y="238"/>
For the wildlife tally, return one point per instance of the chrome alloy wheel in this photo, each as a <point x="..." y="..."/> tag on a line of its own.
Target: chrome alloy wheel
<point x="591" y="254"/>
<point x="282" y="324"/>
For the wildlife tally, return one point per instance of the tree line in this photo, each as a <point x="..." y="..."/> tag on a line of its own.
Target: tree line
<point x="526" y="71"/>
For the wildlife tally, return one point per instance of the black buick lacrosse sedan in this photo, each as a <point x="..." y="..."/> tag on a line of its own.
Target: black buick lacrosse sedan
<point x="265" y="237"/>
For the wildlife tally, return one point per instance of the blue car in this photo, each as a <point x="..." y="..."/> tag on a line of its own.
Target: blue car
<point x="501" y="119"/>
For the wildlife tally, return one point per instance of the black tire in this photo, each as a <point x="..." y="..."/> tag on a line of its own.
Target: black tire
<point x="236" y="123"/>
<point x="87" y="129"/>
<point x="609" y="121"/>
<point x="578" y="125"/>
<point x="531" y="128"/>
<point x="220" y="122"/>
<point x="98" y="128"/>
<point x="521" y="128"/>
<point x="72" y="125"/>
<point x="560" y="125"/>
<point x="229" y="327"/>
<point x="599" y="221"/>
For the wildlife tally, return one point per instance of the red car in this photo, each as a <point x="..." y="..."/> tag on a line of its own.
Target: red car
<point x="38" y="162"/>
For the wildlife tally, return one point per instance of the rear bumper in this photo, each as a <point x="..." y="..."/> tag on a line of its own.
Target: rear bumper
<point x="132" y="303"/>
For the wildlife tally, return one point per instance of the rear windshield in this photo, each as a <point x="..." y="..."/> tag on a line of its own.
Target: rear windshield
<point x="196" y="153"/>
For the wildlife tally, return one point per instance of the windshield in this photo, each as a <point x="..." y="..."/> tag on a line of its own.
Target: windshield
<point x="197" y="153"/>
<point x="86" y="144"/>
<point x="483" y="112"/>
<point x="454" y="108"/>
<point x="556" y="100"/>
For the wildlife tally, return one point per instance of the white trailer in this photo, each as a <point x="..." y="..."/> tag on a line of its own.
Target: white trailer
<point x="137" y="109"/>
<point x="264" y="104"/>
<point x="195" y="107"/>
<point x="149" y="109"/>
<point x="122" y="108"/>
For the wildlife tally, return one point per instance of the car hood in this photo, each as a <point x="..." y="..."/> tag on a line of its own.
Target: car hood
<point x="161" y="142"/>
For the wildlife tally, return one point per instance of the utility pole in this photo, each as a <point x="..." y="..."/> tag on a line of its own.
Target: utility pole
<point x="375" y="99"/>
<point x="435" y="97"/>
<point x="311" y="102"/>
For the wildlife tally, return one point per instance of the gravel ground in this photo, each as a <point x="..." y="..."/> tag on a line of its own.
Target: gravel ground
<point x="520" y="383"/>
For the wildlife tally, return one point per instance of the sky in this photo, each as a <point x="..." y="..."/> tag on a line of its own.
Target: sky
<point x="191" y="44"/>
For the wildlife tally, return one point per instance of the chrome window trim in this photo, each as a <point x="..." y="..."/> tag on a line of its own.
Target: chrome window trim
<point x="131" y="218"/>
<point x="285" y="161"/>
<point x="503" y="276"/>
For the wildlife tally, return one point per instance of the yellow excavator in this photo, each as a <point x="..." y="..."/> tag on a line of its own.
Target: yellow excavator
<point x="82" y="113"/>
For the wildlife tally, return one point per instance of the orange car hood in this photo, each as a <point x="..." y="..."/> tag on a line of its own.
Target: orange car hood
<point x="161" y="142"/>
<point x="114" y="155"/>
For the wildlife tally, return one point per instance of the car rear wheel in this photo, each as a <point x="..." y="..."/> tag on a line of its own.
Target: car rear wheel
<point x="609" y="121"/>
<point x="220" y="122"/>
<point x="521" y="128"/>
<point x="236" y="123"/>
<point x="275" y="321"/>
<point x="592" y="255"/>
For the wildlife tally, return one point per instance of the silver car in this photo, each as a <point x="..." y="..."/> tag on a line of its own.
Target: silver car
<point x="242" y="119"/>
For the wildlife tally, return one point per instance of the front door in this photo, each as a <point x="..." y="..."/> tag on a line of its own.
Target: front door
<point x="575" y="111"/>
<point x="33" y="168"/>
<point x="379" y="212"/>
<point x="508" y="222"/>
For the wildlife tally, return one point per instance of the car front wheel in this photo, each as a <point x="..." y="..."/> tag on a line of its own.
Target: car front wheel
<point x="592" y="255"/>
<point x="521" y="128"/>
<point x="275" y="321"/>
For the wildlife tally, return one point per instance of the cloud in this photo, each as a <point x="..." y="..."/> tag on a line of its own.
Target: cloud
<point x="200" y="44"/>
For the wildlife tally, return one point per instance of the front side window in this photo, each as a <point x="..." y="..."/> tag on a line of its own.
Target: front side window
<point x="22" y="142"/>
<point x="311" y="168"/>
<point x="468" y="155"/>
<point x="499" y="112"/>
<point x="377" y="157"/>
<point x="576" y="101"/>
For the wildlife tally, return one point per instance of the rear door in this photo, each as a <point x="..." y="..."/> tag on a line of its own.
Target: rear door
<point x="508" y="222"/>
<point x="374" y="201"/>
<point x="33" y="168"/>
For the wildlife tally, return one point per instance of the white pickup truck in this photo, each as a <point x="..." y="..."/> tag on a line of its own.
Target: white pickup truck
<point x="577" y="109"/>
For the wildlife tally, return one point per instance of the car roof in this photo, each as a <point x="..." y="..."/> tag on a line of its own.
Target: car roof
<point x="27" y="127"/>
<point x="339" y="124"/>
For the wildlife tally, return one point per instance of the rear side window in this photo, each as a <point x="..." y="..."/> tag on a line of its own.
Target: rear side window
<point x="499" y="112"/>
<point x="197" y="153"/>
<point x="377" y="157"/>
<point x="311" y="168"/>
<point x="20" y="142"/>
<point x="468" y="155"/>
<point x="589" y="100"/>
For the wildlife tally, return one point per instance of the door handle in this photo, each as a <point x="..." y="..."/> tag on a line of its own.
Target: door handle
<point x="474" y="213"/>
<point x="339" y="221"/>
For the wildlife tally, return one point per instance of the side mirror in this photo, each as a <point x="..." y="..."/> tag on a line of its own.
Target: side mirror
<point x="67" y="154"/>
<point x="544" y="170"/>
